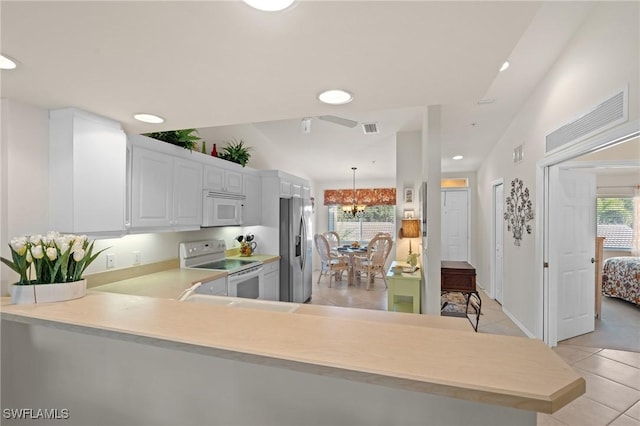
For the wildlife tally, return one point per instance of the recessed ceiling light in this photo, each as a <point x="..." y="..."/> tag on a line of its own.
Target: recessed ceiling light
<point x="458" y="157"/>
<point x="269" y="5"/>
<point x="504" y="66"/>
<point x="148" y="118"/>
<point x="6" y="63"/>
<point x="486" y="101"/>
<point x="335" y="97"/>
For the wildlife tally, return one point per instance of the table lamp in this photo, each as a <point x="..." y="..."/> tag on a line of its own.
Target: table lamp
<point x="410" y="229"/>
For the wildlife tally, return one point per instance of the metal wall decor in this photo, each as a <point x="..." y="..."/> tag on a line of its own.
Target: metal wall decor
<point x="519" y="210"/>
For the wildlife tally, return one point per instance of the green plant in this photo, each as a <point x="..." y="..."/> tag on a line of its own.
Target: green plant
<point x="184" y="137"/>
<point x="53" y="258"/>
<point x="237" y="152"/>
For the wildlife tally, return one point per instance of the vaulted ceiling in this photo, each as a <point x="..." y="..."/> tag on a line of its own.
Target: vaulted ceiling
<point x="216" y="63"/>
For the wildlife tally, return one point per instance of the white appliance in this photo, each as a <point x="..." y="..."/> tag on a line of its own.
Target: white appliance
<point x="295" y="250"/>
<point x="221" y="208"/>
<point x="245" y="277"/>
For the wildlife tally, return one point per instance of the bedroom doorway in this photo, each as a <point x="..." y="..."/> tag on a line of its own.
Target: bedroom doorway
<point x="547" y="242"/>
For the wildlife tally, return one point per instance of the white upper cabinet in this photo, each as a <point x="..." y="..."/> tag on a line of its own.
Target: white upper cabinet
<point x="187" y="192"/>
<point x="223" y="180"/>
<point x="166" y="190"/>
<point x="87" y="173"/>
<point x="252" y="204"/>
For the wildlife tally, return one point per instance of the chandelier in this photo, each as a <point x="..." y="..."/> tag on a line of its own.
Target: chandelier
<point x="354" y="210"/>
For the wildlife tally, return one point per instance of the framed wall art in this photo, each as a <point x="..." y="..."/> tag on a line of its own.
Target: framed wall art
<point x="408" y="195"/>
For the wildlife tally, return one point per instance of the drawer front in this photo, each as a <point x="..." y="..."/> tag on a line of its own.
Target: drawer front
<point x="271" y="266"/>
<point x="464" y="282"/>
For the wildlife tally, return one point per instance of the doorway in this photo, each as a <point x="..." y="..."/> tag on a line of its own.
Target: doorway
<point x="454" y="207"/>
<point x="548" y="318"/>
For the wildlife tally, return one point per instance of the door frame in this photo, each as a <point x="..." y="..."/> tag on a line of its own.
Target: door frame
<point x="492" y="271"/>
<point x="546" y="322"/>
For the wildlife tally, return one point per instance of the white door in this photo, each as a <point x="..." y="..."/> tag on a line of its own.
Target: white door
<point x="455" y="225"/>
<point x="498" y="238"/>
<point x="572" y="233"/>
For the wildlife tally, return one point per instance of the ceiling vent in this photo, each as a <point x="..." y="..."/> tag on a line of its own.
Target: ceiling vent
<point x="369" y="128"/>
<point x="611" y="112"/>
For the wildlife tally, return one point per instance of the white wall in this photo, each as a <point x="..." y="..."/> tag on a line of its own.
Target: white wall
<point x="600" y="60"/>
<point x="408" y="175"/>
<point x="25" y="172"/>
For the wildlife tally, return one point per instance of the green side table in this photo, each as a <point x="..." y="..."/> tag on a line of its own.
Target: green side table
<point x="403" y="294"/>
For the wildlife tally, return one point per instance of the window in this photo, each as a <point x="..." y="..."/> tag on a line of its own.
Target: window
<point x="376" y="219"/>
<point x="614" y="216"/>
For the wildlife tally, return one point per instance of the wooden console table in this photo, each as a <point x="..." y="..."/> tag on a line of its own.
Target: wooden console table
<point x="457" y="276"/>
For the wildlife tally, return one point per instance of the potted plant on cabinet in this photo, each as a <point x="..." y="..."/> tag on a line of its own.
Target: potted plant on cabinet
<point x="236" y="152"/>
<point x="50" y="267"/>
<point x="184" y="137"/>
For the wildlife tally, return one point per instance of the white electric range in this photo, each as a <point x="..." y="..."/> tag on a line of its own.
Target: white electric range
<point x="245" y="276"/>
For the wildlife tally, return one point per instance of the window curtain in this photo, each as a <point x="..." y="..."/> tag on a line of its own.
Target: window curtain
<point x="635" y="242"/>
<point x="366" y="196"/>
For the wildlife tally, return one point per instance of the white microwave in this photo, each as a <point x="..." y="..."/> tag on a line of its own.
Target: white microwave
<point x="221" y="209"/>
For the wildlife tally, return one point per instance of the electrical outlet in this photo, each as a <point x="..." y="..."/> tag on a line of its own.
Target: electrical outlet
<point x="111" y="260"/>
<point x="137" y="257"/>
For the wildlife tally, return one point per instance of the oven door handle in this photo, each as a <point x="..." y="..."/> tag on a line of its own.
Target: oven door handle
<point x="243" y="274"/>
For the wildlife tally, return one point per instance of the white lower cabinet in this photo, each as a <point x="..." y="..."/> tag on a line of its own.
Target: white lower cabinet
<point x="271" y="281"/>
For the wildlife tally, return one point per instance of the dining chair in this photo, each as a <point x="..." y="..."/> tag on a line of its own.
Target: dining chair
<point x="331" y="264"/>
<point x="373" y="262"/>
<point x="333" y="238"/>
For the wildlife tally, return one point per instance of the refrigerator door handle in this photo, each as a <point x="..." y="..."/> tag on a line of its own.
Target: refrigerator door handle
<point x="303" y="240"/>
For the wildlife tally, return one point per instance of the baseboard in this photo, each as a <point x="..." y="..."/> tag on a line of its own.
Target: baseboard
<point x="524" y="329"/>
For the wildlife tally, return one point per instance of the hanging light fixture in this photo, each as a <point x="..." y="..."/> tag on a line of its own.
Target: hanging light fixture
<point x="354" y="210"/>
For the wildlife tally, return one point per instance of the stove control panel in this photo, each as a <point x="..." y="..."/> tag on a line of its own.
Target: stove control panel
<point x="202" y="248"/>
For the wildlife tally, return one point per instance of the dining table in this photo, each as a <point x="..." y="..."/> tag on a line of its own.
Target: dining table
<point x="351" y="251"/>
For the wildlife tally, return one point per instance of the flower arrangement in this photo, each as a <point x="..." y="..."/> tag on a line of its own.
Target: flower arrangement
<point x="53" y="258"/>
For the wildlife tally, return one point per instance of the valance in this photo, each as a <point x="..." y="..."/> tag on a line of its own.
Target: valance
<point x="367" y="196"/>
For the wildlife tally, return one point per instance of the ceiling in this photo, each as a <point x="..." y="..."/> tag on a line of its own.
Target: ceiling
<point x="217" y="63"/>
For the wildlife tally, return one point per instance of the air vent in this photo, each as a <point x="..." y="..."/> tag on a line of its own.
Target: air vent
<point x="370" y="128"/>
<point x="611" y="112"/>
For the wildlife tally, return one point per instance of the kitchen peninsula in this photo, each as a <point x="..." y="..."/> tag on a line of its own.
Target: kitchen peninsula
<point x="124" y="359"/>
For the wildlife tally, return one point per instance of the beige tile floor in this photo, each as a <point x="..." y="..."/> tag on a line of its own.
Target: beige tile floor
<point x="612" y="376"/>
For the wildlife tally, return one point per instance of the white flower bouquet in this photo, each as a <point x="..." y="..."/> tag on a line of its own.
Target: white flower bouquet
<point x="49" y="259"/>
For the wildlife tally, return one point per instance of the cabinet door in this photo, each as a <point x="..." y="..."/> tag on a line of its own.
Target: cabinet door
<point x="297" y="190"/>
<point x="214" y="178"/>
<point x="152" y="189"/>
<point x="233" y="182"/>
<point x="306" y="192"/>
<point x="285" y="189"/>
<point x="252" y="205"/>
<point x="271" y="286"/>
<point x="87" y="173"/>
<point x="187" y="192"/>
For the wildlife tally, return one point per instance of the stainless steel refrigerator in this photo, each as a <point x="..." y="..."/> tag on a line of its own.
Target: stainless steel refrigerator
<point x="295" y="250"/>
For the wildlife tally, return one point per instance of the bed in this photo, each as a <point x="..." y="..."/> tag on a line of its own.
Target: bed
<point x="621" y="278"/>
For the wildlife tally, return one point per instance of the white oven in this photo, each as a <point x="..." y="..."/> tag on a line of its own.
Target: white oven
<point x="221" y="208"/>
<point x="245" y="277"/>
<point x="248" y="283"/>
